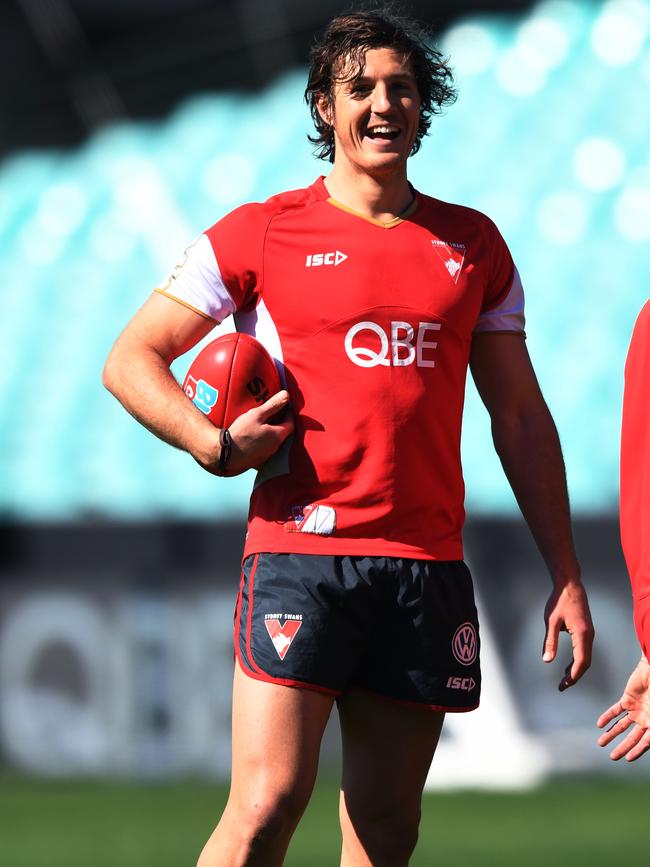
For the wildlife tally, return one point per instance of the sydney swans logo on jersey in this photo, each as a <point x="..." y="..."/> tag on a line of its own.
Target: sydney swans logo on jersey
<point x="315" y="518"/>
<point x="367" y="344"/>
<point x="282" y="634"/>
<point x="335" y="258"/>
<point x="464" y="644"/>
<point x="452" y="255"/>
<point x="202" y="394"/>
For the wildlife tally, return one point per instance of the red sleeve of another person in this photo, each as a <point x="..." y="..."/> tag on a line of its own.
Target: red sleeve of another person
<point x="635" y="474"/>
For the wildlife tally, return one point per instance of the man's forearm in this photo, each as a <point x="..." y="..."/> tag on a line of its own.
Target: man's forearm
<point x="143" y="383"/>
<point x="529" y="448"/>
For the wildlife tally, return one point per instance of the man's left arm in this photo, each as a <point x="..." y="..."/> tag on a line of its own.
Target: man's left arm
<point x="527" y="443"/>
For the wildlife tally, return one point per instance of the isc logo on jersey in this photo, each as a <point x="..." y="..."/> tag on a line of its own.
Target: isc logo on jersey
<point x="368" y="344"/>
<point x="334" y="258"/>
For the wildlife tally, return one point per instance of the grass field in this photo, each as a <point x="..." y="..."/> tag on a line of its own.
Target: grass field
<point x="591" y="822"/>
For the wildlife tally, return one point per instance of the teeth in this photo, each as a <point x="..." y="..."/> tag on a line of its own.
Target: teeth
<point x="383" y="129"/>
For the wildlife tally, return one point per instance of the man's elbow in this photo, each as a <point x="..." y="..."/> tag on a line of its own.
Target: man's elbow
<point x="111" y="375"/>
<point x="533" y="420"/>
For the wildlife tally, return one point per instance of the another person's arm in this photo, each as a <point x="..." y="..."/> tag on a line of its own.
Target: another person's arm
<point x="527" y="443"/>
<point x="634" y="704"/>
<point x="137" y="373"/>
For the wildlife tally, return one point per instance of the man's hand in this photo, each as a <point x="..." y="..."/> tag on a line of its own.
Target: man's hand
<point x="256" y="435"/>
<point x="634" y="704"/>
<point x="567" y="610"/>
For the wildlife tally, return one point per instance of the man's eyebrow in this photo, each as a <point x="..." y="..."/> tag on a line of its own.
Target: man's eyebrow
<point x="366" y="79"/>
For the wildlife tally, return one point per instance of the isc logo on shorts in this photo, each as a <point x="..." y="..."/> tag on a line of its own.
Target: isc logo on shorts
<point x="367" y="344"/>
<point x="465" y="683"/>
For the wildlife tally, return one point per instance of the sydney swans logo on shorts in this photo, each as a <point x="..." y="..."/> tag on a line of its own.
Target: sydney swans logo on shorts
<point x="315" y="518"/>
<point x="452" y="255"/>
<point x="282" y="635"/>
<point x="464" y="644"/>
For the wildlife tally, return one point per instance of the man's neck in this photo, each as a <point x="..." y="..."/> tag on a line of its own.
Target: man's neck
<point x="383" y="198"/>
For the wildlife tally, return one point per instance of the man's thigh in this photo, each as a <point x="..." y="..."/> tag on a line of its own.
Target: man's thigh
<point x="276" y="736"/>
<point x="276" y="739"/>
<point x="387" y="752"/>
<point x="387" y="748"/>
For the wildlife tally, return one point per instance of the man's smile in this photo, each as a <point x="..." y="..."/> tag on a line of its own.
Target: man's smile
<point x="383" y="132"/>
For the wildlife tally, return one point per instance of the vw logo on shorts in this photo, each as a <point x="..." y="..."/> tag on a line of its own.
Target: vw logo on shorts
<point x="465" y="643"/>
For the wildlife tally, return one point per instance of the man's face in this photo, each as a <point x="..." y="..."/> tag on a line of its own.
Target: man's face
<point x="376" y="114"/>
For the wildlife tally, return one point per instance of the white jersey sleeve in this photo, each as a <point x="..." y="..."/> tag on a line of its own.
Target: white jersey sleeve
<point x="197" y="283"/>
<point x="508" y="315"/>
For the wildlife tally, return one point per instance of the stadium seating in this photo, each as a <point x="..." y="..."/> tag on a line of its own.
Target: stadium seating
<point x="549" y="137"/>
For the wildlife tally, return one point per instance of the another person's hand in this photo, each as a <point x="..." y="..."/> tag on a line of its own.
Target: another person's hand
<point x="256" y="435"/>
<point x="634" y="705"/>
<point x="567" y="610"/>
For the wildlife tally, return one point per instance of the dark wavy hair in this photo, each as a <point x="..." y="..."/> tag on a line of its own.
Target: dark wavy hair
<point x="340" y="56"/>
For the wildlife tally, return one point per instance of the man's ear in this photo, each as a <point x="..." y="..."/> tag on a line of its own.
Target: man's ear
<point x="324" y="106"/>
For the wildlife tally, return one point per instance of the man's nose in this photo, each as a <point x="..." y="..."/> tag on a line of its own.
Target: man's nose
<point x="380" y="98"/>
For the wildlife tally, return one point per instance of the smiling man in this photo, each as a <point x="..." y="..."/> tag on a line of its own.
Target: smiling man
<point x="373" y="298"/>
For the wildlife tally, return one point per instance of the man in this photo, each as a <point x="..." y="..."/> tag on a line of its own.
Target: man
<point x="373" y="299"/>
<point x="634" y="704"/>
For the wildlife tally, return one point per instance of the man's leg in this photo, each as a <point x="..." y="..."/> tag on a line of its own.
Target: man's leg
<point x="276" y="738"/>
<point x="387" y="751"/>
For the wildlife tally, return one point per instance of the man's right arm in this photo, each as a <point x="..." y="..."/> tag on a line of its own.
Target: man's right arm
<point x="137" y="373"/>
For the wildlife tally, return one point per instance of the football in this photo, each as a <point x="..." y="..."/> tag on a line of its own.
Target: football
<point x="231" y="375"/>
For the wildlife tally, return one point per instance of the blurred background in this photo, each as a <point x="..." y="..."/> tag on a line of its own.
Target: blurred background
<point x="126" y="128"/>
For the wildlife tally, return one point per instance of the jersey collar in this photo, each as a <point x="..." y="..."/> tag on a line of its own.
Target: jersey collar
<point x="323" y="193"/>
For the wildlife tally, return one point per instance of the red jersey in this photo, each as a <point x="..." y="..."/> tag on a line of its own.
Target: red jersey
<point x="371" y="326"/>
<point x="635" y="474"/>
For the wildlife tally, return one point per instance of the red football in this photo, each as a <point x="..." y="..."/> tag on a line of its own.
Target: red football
<point x="229" y="376"/>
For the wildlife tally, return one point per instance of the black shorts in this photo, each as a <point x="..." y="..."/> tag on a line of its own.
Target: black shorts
<point x="404" y="629"/>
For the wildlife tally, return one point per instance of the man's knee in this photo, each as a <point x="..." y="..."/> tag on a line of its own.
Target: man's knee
<point x="268" y="818"/>
<point x="255" y="828"/>
<point x="388" y="834"/>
